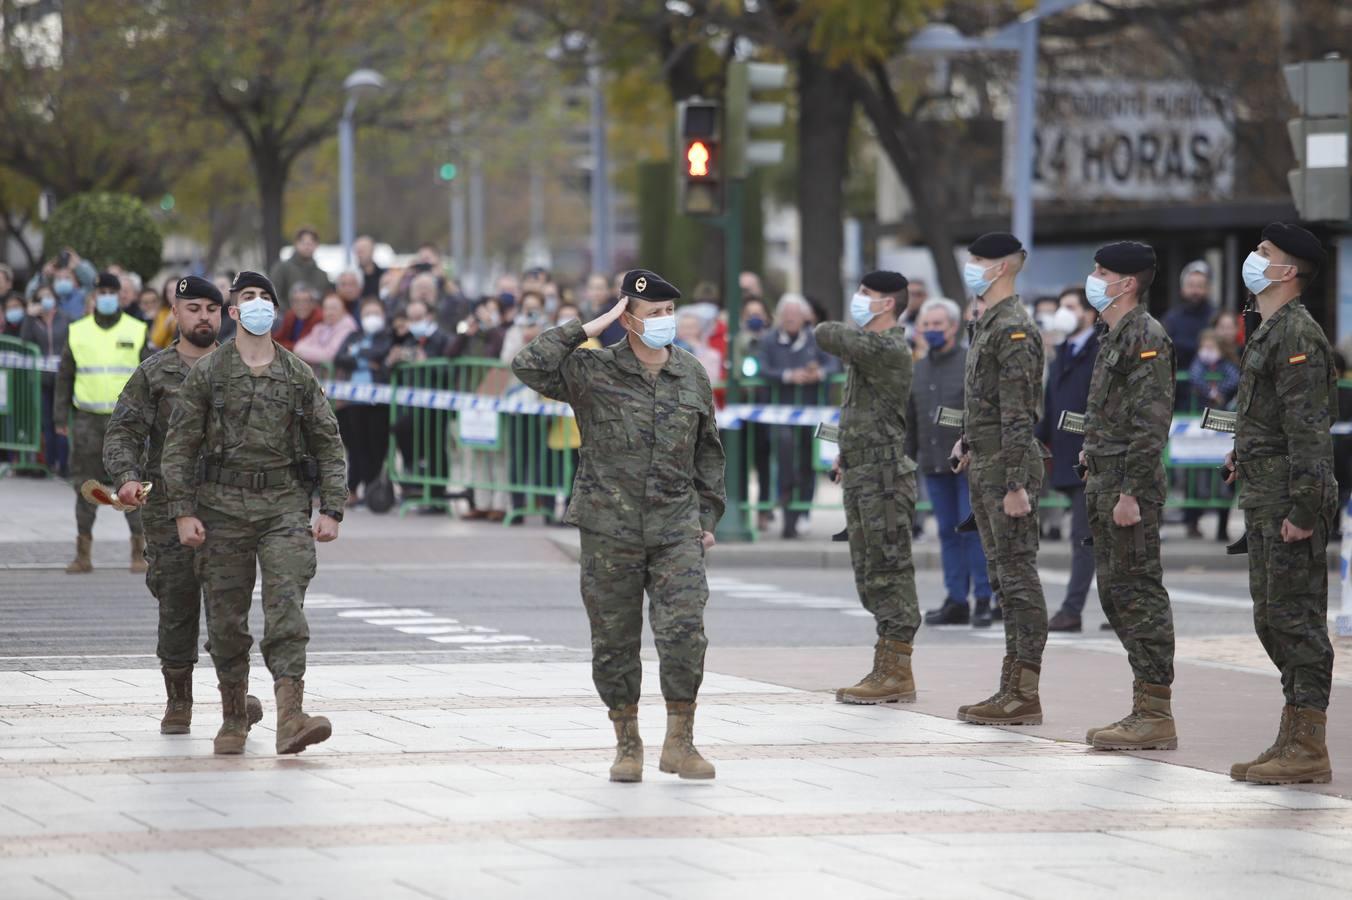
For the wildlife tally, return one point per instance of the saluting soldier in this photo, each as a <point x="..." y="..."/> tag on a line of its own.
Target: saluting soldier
<point x="1283" y="458"/>
<point x="132" y="451"/>
<point x="1002" y="387"/>
<point x="259" y="417"/>
<point x="1127" y="419"/>
<point x="647" y="495"/>
<point x="879" y="479"/>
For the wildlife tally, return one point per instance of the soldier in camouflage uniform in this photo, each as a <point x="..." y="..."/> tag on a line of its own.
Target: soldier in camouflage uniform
<point x="1283" y="459"/>
<point x="648" y="493"/>
<point x="1130" y="409"/>
<point x="879" y="479"/>
<point x="132" y="448"/>
<point x="1002" y="388"/>
<point x="260" y="419"/>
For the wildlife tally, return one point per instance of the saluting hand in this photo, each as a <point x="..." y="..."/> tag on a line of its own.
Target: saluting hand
<point x="602" y="322"/>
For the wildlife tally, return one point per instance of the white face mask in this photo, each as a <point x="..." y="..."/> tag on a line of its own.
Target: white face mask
<point x="372" y="324"/>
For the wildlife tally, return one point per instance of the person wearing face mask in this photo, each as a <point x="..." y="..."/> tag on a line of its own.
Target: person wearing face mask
<point x="15" y="313"/>
<point x="365" y="427"/>
<point x="102" y="352"/>
<point x="647" y="495"/>
<point x="70" y="279"/>
<point x="1127" y="419"/>
<point x="1283" y="460"/>
<point x="1213" y="380"/>
<point x="255" y="415"/>
<point x="878" y="478"/>
<point x="1185" y="322"/>
<point x="1001" y="388"/>
<point x="47" y="327"/>
<point x="132" y="453"/>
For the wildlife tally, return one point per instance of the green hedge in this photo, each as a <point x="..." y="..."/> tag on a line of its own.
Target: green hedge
<point x="106" y="229"/>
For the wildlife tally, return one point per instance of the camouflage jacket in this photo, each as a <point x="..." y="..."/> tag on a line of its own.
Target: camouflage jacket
<point x="134" y="442"/>
<point x="877" y="388"/>
<point x="1287" y="400"/>
<point x="651" y="470"/>
<point x="1130" y="409"/>
<point x="263" y="424"/>
<point x="1003" y="386"/>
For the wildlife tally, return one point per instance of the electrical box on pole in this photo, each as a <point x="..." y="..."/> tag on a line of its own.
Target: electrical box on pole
<point x="1319" y="137"/>
<point x="699" y="160"/>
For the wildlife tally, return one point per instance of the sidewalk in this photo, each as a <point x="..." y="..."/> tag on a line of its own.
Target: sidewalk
<point x="488" y="779"/>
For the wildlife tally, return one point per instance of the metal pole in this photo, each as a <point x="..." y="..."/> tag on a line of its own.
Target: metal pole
<point x="734" y="527"/>
<point x="347" y="215"/>
<point x="476" y="223"/>
<point x="602" y="258"/>
<point x="1026" y="115"/>
<point x="458" y="232"/>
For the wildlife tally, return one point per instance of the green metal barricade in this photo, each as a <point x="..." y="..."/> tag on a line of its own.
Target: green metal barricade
<point x="20" y="405"/>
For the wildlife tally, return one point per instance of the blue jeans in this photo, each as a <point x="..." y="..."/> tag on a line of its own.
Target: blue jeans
<point x="964" y="560"/>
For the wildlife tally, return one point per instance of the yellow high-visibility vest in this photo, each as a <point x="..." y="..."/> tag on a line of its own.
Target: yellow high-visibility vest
<point x="105" y="359"/>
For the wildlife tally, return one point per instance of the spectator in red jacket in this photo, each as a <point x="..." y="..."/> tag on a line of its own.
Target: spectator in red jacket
<point x="302" y="315"/>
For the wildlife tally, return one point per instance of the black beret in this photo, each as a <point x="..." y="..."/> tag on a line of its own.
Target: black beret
<point x="110" y="281"/>
<point x="1295" y="240"/>
<point x="995" y="245"/>
<point x="253" y="279"/>
<point x="885" y="282"/>
<point x="194" y="288"/>
<point x="644" y="285"/>
<point x="1126" y="257"/>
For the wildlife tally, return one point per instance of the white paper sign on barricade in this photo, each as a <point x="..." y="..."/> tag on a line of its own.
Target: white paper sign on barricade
<point x="1190" y="443"/>
<point x="478" y="427"/>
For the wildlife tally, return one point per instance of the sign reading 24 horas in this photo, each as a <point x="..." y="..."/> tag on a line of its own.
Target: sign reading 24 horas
<point x="1131" y="140"/>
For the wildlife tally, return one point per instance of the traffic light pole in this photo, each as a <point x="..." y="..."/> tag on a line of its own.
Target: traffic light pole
<point x="734" y="526"/>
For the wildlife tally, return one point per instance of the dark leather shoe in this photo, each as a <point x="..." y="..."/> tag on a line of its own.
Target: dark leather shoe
<point x="997" y="614"/>
<point x="981" y="616"/>
<point x="951" y="613"/>
<point x="1064" y="621"/>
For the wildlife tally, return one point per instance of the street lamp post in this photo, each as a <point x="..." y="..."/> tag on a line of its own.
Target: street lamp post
<point x="360" y="83"/>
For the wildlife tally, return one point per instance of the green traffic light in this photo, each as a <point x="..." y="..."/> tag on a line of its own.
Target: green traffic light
<point x="447" y="172"/>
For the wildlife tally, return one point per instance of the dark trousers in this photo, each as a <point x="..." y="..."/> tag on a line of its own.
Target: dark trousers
<point x="1081" y="557"/>
<point x="424" y="447"/>
<point x="964" y="561"/>
<point x="55" y="447"/>
<point x="365" y="429"/>
<point x="797" y="476"/>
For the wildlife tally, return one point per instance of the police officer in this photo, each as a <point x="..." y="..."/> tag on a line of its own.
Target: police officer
<point x="1129" y="411"/>
<point x="1283" y="459"/>
<point x="103" y="351"/>
<point x="1002" y="386"/>
<point x="132" y="448"/>
<point x="259" y="418"/>
<point x="879" y="479"/>
<point x="648" y="492"/>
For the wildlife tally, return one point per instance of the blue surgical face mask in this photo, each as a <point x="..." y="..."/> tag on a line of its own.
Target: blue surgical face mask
<point x="1255" y="272"/>
<point x="1096" y="289"/>
<point x="256" y="316"/>
<point x="106" y="304"/>
<point x="935" y="339"/>
<point x="421" y="328"/>
<point x="755" y="323"/>
<point x="974" y="276"/>
<point x="861" y="309"/>
<point x="14" y="316"/>
<point x="63" y="286"/>
<point x="48" y="304"/>
<point x="658" y="332"/>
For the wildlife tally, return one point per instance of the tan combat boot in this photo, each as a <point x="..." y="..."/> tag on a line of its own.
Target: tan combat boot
<point x="234" y="722"/>
<point x="296" y="730"/>
<point x="1150" y="726"/>
<point x="628" y="765"/>
<point x="679" y="756"/>
<point x="1135" y="694"/>
<point x="889" y="682"/>
<point x="1240" y="770"/>
<point x="178" y="709"/>
<point x="1305" y="756"/>
<point x="1018" y="705"/>
<point x="81" y="563"/>
<point x="1005" y="668"/>
<point x="138" y="554"/>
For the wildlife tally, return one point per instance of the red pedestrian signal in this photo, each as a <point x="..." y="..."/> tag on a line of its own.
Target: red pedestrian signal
<point x="698" y="159"/>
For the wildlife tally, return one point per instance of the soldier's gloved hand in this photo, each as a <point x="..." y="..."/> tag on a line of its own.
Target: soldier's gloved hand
<point x="191" y="532"/>
<point x="1016" y="504"/>
<point x="1291" y="534"/>
<point x="1127" y="512"/>
<point x="707" y="538"/>
<point x="130" y="494"/>
<point x="1230" y="465"/>
<point x="326" y="529"/>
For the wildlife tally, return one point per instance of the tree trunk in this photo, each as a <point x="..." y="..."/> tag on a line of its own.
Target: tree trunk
<point x="272" y="174"/>
<point x="825" y="111"/>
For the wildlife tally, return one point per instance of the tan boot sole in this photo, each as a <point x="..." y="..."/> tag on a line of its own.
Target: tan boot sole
<point x="73" y="569"/>
<point x="625" y="778"/>
<point x="1315" y="778"/>
<point x="671" y="770"/>
<point x="227" y="750"/>
<point x="175" y="729"/>
<point x="313" y="735"/>
<point x="1035" y="719"/>
<point x="843" y="697"/>
<point x="1171" y="744"/>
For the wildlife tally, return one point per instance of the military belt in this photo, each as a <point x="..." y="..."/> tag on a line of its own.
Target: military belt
<point x="1099" y="465"/>
<point x="255" y="481"/>
<point x="869" y="455"/>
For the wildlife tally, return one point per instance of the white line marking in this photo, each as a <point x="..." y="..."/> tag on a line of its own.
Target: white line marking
<point x="395" y="623"/>
<point x="481" y="638"/>
<point x="383" y="612"/>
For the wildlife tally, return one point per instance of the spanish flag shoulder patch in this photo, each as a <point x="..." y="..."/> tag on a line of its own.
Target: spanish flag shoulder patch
<point x="1297" y="359"/>
<point x="1149" y="354"/>
<point x="1017" y="335"/>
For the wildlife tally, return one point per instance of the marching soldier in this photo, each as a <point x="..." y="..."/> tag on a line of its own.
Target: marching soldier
<point x="879" y="479"/>
<point x="1283" y="459"/>
<point x="260" y="419"/>
<point x="131" y="453"/>
<point x="648" y="493"/>
<point x="103" y="351"/>
<point x="1003" y="384"/>
<point x="1130" y="409"/>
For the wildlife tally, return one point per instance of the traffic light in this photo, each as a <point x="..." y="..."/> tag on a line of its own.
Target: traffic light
<point x="447" y="172"/>
<point x="751" y="114"/>
<point x="1319" y="183"/>
<point x="699" y="182"/>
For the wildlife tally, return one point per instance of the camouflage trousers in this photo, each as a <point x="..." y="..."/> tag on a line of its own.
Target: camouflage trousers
<point x="615" y="575"/>
<point x="879" y="509"/>
<point x="171" y="576"/>
<point x="284" y="548"/>
<point x="1131" y="587"/>
<point x="86" y="461"/>
<point x="1011" y="560"/>
<point x="1290" y="588"/>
